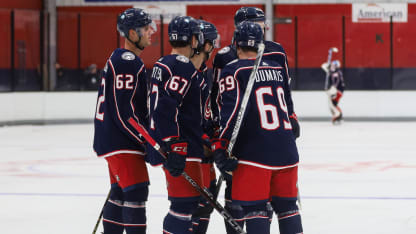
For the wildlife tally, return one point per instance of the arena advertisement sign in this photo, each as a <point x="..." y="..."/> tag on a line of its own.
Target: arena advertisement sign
<point x="379" y="12"/>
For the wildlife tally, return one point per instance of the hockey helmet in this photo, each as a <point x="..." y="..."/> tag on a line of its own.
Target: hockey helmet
<point x="248" y="34"/>
<point x="210" y="33"/>
<point x="133" y="18"/>
<point x="182" y="28"/>
<point x="253" y="14"/>
<point x="335" y="65"/>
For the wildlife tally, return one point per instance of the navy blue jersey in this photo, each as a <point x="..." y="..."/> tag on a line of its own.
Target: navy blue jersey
<point x="337" y="79"/>
<point x="205" y="85"/>
<point x="122" y="95"/>
<point x="265" y="138"/>
<point x="272" y="51"/>
<point x="175" y="104"/>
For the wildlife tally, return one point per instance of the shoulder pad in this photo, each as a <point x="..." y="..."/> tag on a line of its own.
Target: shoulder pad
<point x="128" y="56"/>
<point x="224" y="50"/>
<point x="272" y="46"/>
<point x="182" y="59"/>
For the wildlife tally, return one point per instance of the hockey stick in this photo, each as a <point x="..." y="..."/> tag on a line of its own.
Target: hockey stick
<point x="243" y="107"/>
<point x="206" y="194"/>
<point x="101" y="214"/>
<point x="246" y="96"/>
<point x="332" y="49"/>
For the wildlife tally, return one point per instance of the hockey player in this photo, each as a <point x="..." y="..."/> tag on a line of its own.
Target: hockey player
<point x="267" y="163"/>
<point x="122" y="95"/>
<point x="202" y="54"/>
<point x="335" y="89"/>
<point x="273" y="51"/>
<point x="175" y="121"/>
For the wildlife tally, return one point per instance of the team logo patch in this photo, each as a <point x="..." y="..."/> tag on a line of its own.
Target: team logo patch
<point x="224" y="50"/>
<point x="182" y="59"/>
<point x="128" y="56"/>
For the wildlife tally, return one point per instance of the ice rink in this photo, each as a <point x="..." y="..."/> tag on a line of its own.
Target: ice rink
<point x="359" y="177"/>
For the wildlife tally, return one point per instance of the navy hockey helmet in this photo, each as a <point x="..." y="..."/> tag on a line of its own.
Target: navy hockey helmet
<point x="248" y="34"/>
<point x="182" y="28"/>
<point x="210" y="33"/>
<point x="253" y="14"/>
<point x="133" y="18"/>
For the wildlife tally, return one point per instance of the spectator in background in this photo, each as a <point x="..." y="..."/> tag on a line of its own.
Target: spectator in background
<point x="91" y="78"/>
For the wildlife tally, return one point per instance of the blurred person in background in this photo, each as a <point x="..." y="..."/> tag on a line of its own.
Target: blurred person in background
<point x="336" y="87"/>
<point x="91" y="77"/>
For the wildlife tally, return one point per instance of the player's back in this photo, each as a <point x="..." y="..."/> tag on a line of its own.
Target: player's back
<point x="122" y="95"/>
<point x="265" y="137"/>
<point x="176" y="98"/>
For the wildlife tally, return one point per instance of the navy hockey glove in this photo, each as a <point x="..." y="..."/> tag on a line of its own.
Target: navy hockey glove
<point x="295" y="125"/>
<point x="176" y="158"/>
<point x="224" y="163"/>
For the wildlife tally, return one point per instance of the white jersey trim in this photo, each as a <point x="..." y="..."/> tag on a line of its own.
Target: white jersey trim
<point x="121" y="152"/>
<point x="193" y="160"/>
<point x="267" y="166"/>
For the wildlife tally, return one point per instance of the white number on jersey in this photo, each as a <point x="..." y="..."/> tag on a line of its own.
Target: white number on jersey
<point x="174" y="84"/>
<point x="124" y="81"/>
<point x="226" y="84"/>
<point x="265" y="109"/>
<point x="100" y="115"/>
<point x="155" y="90"/>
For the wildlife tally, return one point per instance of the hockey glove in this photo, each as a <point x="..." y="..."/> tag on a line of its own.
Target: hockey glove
<point x="295" y="125"/>
<point x="225" y="163"/>
<point x="176" y="158"/>
<point x="207" y="149"/>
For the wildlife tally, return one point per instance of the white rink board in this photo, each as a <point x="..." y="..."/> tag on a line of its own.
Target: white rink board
<point x="61" y="106"/>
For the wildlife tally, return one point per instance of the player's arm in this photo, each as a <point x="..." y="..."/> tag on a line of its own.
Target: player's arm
<point x="215" y="94"/>
<point x="229" y="99"/>
<point x="125" y="88"/>
<point x="289" y="103"/>
<point x="229" y="95"/>
<point x="288" y="98"/>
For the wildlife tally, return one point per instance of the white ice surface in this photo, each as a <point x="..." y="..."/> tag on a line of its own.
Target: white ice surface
<point x="359" y="177"/>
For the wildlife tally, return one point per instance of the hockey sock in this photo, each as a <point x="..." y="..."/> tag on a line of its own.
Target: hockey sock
<point x="288" y="216"/>
<point x="270" y="211"/>
<point x="236" y="211"/>
<point x="202" y="225"/>
<point x="134" y="210"/>
<point x="179" y="218"/>
<point x="200" y="218"/>
<point x="257" y="219"/>
<point x="112" y="213"/>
